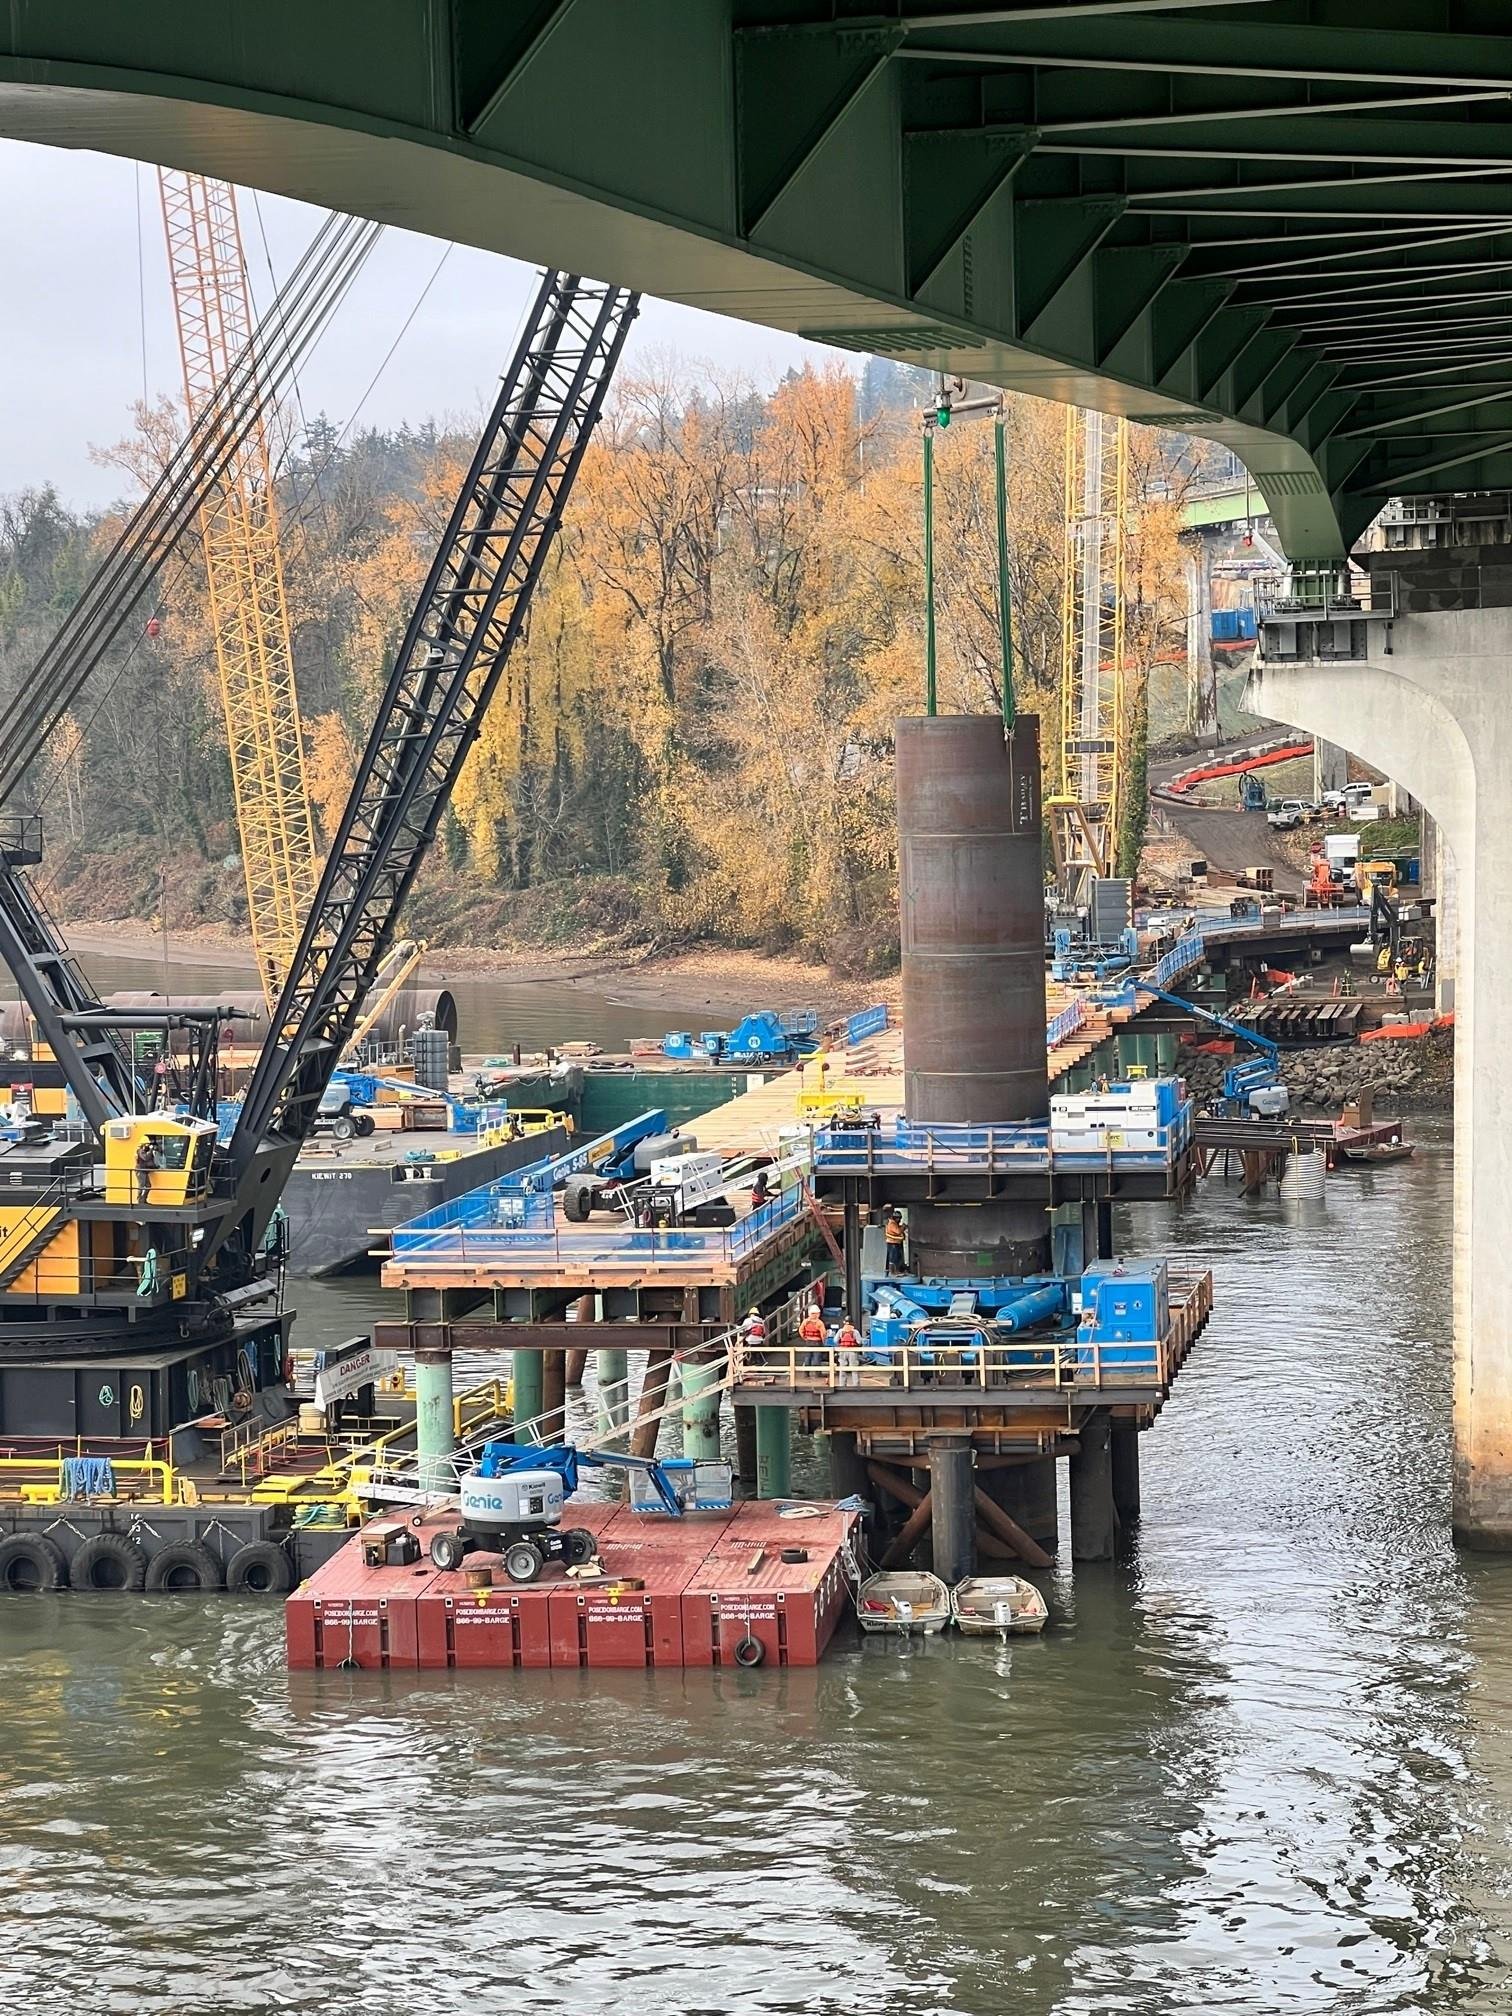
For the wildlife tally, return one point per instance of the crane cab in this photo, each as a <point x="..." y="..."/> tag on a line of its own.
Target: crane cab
<point x="182" y="1149"/>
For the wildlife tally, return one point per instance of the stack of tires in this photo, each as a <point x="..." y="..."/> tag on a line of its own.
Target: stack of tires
<point x="115" y="1563"/>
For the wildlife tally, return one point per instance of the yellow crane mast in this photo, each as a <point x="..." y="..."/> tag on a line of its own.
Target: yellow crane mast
<point x="248" y="607"/>
<point x="1084" y="813"/>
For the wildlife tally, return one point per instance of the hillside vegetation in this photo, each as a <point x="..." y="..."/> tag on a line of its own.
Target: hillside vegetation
<point x="694" y="741"/>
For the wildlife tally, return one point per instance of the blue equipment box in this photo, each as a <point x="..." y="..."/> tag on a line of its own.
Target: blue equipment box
<point x="1126" y="1308"/>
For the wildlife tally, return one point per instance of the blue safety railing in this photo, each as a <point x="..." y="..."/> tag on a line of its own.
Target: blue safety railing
<point x="868" y="1022"/>
<point x="753" y="1231"/>
<point x="857" y="1150"/>
<point x="510" y="1227"/>
<point x="1182" y="957"/>
<point x="1069" y="1020"/>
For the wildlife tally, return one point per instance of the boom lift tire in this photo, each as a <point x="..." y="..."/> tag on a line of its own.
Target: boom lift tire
<point x="261" y="1568"/>
<point x="577" y="1198"/>
<point x="578" y="1546"/>
<point x="184" y="1569"/>
<point x="31" y="1563"/>
<point x="448" y="1551"/>
<point x="523" y="1561"/>
<point x="110" y="1563"/>
<point x="343" y="1127"/>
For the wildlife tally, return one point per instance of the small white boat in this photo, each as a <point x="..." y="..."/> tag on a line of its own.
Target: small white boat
<point x="904" y="1600"/>
<point x="998" y="1606"/>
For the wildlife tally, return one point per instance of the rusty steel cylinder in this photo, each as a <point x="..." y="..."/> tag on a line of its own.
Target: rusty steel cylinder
<point x="971" y="900"/>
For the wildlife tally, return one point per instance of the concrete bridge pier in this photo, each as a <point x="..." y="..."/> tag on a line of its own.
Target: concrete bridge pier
<point x="1436" y="715"/>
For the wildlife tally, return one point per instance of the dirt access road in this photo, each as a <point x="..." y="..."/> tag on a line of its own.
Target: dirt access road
<point x="1227" y="840"/>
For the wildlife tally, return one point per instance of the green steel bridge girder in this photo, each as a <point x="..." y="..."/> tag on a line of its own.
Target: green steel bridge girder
<point x="1256" y="220"/>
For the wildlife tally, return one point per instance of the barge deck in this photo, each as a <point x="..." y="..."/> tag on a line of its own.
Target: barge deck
<point x="711" y="1589"/>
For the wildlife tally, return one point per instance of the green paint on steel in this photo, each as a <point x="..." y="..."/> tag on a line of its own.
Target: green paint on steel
<point x="612" y="1369"/>
<point x="701" y="1394"/>
<point x="1205" y="217"/>
<point x="774" y="1452"/>
<point x="435" y="1422"/>
<point x="529" y="1370"/>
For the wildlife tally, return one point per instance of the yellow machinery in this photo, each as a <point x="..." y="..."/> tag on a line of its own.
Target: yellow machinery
<point x="178" y="1174"/>
<point x="1369" y="874"/>
<point x="1084" y="813"/>
<point x="248" y="609"/>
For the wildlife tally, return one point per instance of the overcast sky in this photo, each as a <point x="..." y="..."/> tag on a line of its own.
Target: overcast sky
<point x="76" y="288"/>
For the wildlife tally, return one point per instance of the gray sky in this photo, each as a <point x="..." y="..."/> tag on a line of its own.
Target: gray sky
<point x="71" y="318"/>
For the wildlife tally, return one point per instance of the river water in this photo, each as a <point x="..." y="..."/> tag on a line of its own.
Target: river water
<point x="493" y="1014"/>
<point x="1264" y="1767"/>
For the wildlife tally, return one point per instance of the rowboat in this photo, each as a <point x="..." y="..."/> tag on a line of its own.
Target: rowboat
<point x="1371" y="1152"/>
<point x="904" y="1600"/>
<point x="997" y="1606"/>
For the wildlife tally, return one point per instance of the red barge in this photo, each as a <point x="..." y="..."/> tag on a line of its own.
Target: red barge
<point x="714" y="1589"/>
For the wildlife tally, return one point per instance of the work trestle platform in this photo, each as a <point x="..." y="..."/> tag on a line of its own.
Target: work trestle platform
<point x="709" y="1589"/>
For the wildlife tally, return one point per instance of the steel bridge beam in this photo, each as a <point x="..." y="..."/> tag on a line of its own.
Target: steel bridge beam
<point x="1097" y="201"/>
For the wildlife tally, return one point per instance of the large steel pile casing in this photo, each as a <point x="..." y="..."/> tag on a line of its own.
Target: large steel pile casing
<point x="971" y="898"/>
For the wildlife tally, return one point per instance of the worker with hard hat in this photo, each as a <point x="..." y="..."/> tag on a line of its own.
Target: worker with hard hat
<point x="848" y="1352"/>
<point x="811" y="1332"/>
<point x="895" y="1237"/>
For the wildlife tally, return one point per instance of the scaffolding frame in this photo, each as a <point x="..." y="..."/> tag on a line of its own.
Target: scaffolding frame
<point x="1085" y="812"/>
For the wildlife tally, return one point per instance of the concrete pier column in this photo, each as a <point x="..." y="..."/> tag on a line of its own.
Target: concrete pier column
<point x="529" y="1385"/>
<point x="774" y="1452"/>
<point x="1094" y="1523"/>
<point x="1442" y="883"/>
<point x="435" y="1421"/>
<point x="1166" y="1047"/>
<point x="952" y="1492"/>
<point x="1434" y="715"/>
<point x="1027" y="1493"/>
<point x="1123" y="1456"/>
<point x="701" y="1395"/>
<point x="613" y="1368"/>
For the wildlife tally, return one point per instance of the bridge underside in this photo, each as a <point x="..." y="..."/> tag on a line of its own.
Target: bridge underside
<point x="1257" y="220"/>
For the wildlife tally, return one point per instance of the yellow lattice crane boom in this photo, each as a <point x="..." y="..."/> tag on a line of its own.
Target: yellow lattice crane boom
<point x="1084" y="812"/>
<point x="248" y="608"/>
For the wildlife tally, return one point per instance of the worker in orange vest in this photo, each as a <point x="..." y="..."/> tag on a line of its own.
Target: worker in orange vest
<point x="811" y="1331"/>
<point x="896" y="1237"/>
<point x="848" y="1353"/>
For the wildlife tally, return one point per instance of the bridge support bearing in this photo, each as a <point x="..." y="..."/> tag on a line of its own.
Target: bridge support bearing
<point x="774" y="1452"/>
<point x="952" y="1494"/>
<point x="1094" y="1522"/>
<point x="1434" y="717"/>
<point x="435" y="1422"/>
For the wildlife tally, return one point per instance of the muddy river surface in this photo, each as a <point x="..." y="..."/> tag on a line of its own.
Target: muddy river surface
<point x="1264" y="1767"/>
